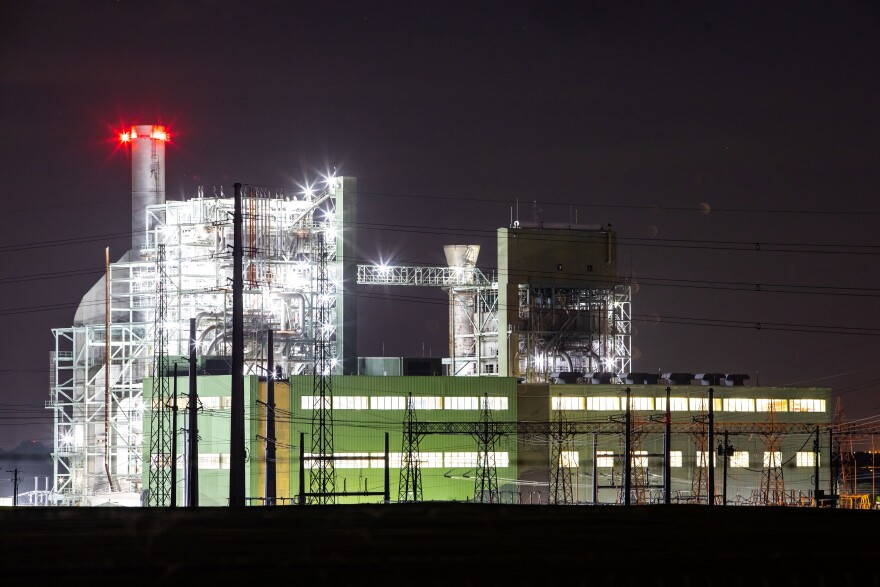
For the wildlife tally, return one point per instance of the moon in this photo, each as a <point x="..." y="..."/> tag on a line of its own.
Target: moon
<point x="705" y="208"/>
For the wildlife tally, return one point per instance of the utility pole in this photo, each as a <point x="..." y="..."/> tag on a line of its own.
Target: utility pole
<point x="667" y="450"/>
<point x="725" y="451"/>
<point x="270" y="421"/>
<point x="627" y="451"/>
<point x="15" y="481"/>
<point x="236" y="428"/>
<point x="173" y="493"/>
<point x="710" y="453"/>
<point x="816" y="468"/>
<point x="192" y="495"/>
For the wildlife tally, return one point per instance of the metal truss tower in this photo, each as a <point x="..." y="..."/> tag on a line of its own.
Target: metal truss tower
<point x="486" y="482"/>
<point x="772" y="481"/>
<point x="638" y="462"/>
<point x="410" y="486"/>
<point x="562" y="462"/>
<point x="161" y="417"/>
<point x="700" y="480"/>
<point x="322" y="471"/>
<point x="842" y="452"/>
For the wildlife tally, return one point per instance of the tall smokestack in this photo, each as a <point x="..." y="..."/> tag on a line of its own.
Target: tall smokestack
<point x="147" y="177"/>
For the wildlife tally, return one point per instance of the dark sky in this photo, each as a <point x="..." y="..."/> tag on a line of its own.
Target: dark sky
<point x="698" y="129"/>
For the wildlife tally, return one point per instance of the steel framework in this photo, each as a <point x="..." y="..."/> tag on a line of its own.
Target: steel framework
<point x="542" y="341"/>
<point x="279" y="243"/>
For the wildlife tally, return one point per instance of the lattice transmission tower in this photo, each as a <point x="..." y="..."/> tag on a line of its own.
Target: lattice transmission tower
<point x="322" y="471"/>
<point x="409" y="488"/>
<point x="161" y="416"/>
<point x="843" y="452"/>
<point x="700" y="477"/>
<point x="562" y="461"/>
<point x="486" y="482"/>
<point x="772" y="480"/>
<point x="638" y="461"/>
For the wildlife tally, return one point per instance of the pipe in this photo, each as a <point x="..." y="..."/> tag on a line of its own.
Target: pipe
<point x="107" y="366"/>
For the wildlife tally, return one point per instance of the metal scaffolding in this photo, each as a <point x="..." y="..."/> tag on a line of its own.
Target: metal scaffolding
<point x="279" y="260"/>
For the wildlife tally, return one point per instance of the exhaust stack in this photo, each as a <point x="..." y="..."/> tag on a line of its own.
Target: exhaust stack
<point x="147" y="177"/>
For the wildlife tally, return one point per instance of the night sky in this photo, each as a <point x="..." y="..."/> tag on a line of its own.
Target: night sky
<point x="733" y="146"/>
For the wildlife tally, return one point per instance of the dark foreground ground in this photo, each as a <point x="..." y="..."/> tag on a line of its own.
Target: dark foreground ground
<point x="441" y="544"/>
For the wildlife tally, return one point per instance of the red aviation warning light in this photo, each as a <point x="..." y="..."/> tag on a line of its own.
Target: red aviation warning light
<point x="157" y="132"/>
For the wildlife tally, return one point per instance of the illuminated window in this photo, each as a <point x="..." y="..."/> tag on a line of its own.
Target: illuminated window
<point x="460" y="403"/>
<point x="460" y="459"/>
<point x="702" y="458"/>
<point x="740" y="458"/>
<point x="806" y="459"/>
<point x="675" y="458"/>
<point x="698" y="404"/>
<point x="605" y="458"/>
<point x="765" y="404"/>
<point x="676" y="404"/>
<point x="807" y="405"/>
<point x="640" y="459"/>
<point x="500" y="459"/>
<point x="350" y="402"/>
<point x="472" y="459"/>
<point x="426" y="460"/>
<point x="567" y="403"/>
<point x="210" y="403"/>
<point x="738" y="404"/>
<point x="209" y="461"/>
<point x="569" y="458"/>
<point x="360" y="463"/>
<point x="311" y="402"/>
<point x="157" y="461"/>
<point x="773" y="459"/>
<point x="640" y="403"/>
<point x="388" y="402"/>
<point x="428" y="403"/>
<point x="603" y="403"/>
<point x="495" y="403"/>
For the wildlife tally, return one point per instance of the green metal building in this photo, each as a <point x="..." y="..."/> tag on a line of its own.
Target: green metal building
<point x="772" y="432"/>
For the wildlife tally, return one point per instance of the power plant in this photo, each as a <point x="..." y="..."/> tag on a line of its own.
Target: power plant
<point x="536" y="402"/>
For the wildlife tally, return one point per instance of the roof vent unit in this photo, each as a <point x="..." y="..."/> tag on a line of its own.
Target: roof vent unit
<point x="735" y="379"/>
<point x="601" y="377"/>
<point x="642" y="378"/>
<point x="679" y="378"/>
<point x="710" y="378"/>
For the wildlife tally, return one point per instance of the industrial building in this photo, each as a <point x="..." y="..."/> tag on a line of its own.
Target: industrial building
<point x="537" y="401"/>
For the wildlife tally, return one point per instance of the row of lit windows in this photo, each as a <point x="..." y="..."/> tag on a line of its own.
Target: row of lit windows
<point x="206" y="461"/>
<point x="368" y="460"/>
<point x="605" y="458"/>
<point x="438" y="460"/>
<point x="205" y="402"/>
<point x="398" y="402"/>
<point x="424" y="460"/>
<point x="572" y="403"/>
<point x="688" y="404"/>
